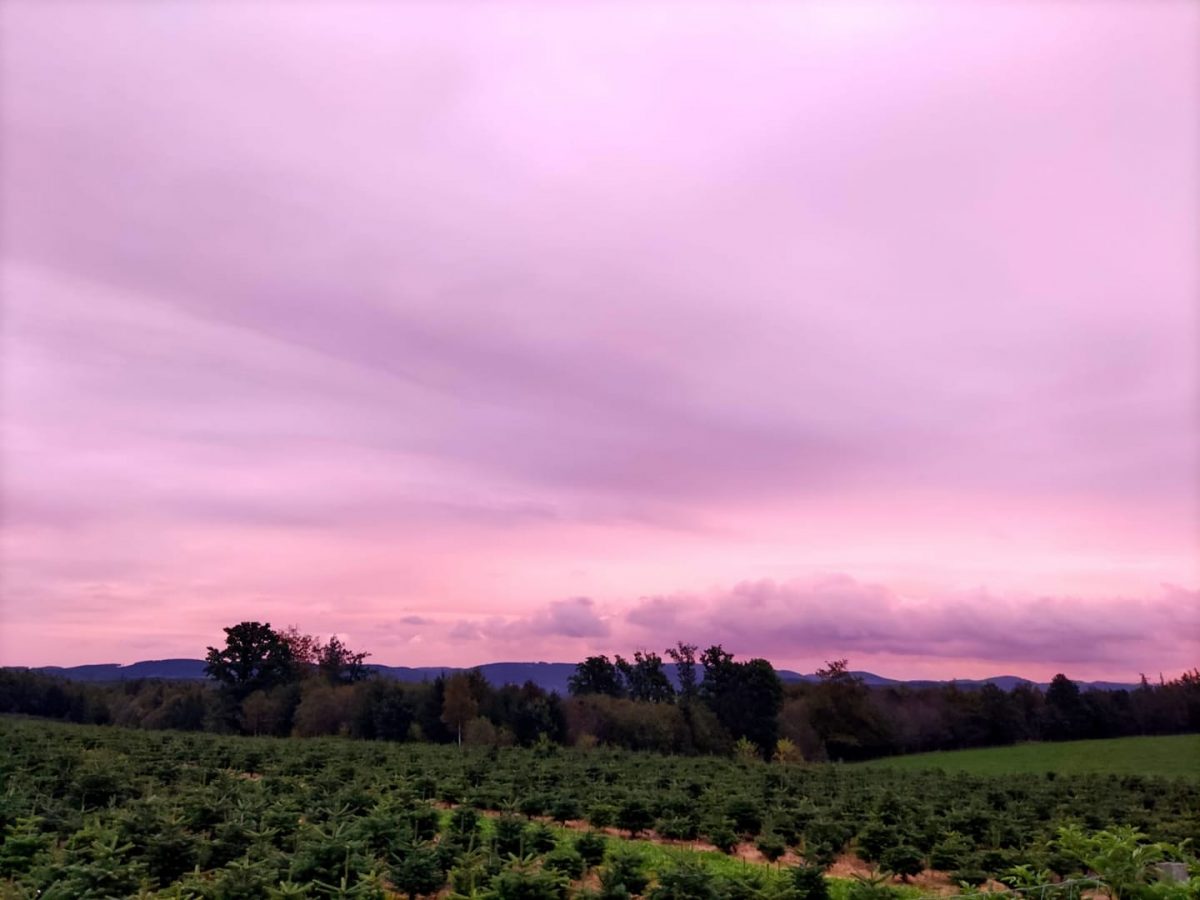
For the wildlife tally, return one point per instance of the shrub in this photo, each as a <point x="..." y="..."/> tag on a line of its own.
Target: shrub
<point x="972" y="877"/>
<point x="634" y="816"/>
<point x="871" y="888"/>
<point x="24" y="841"/>
<point x="685" y="881"/>
<point x="540" y="838"/>
<point x="745" y="814"/>
<point x="416" y="871"/>
<point x="464" y="822"/>
<point x="678" y="828"/>
<point x="819" y="854"/>
<point x="745" y="885"/>
<point x="950" y="853"/>
<point x="809" y="883"/>
<point x="786" y="751"/>
<point x="591" y="845"/>
<point x="1120" y="856"/>
<point x="325" y="854"/>
<point x="745" y="750"/>
<point x="508" y="836"/>
<point x="563" y="809"/>
<point x="601" y="815"/>
<point x="904" y="860"/>
<point x="528" y="883"/>
<point x="533" y="804"/>
<point x="626" y="871"/>
<point x="786" y="827"/>
<point x="424" y="821"/>
<point x="826" y="831"/>
<point x="994" y="861"/>
<point x="723" y="837"/>
<point x="771" y="846"/>
<point x="566" y="861"/>
<point x="469" y="878"/>
<point x="875" y="838"/>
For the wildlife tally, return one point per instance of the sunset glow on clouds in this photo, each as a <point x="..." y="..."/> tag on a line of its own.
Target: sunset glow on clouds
<point x="479" y="331"/>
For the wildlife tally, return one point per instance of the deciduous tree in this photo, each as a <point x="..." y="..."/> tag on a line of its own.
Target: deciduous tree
<point x="596" y="675"/>
<point x="255" y="657"/>
<point x="458" y="706"/>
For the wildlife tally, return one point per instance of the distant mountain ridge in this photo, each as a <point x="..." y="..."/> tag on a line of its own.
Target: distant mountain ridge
<point x="546" y="675"/>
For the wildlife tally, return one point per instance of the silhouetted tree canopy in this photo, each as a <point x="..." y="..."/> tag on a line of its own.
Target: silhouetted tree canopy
<point x="255" y="657"/>
<point x="596" y="675"/>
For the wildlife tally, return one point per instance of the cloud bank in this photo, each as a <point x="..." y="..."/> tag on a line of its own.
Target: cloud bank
<point x="805" y="622"/>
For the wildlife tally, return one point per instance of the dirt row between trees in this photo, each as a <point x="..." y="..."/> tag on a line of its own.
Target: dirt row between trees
<point x="847" y="865"/>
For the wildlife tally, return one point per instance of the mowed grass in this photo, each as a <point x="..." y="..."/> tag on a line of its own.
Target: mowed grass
<point x="1172" y="756"/>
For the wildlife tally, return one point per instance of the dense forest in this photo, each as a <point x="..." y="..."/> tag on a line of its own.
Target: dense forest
<point x="269" y="682"/>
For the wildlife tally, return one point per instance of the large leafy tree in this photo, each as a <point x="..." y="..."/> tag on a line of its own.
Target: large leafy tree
<point x="339" y="664"/>
<point x="458" y="706"/>
<point x="596" y="675"/>
<point x="842" y="715"/>
<point x="646" y="678"/>
<point x="255" y="657"/>
<point x="745" y="696"/>
<point x="684" y="656"/>
<point x="1064" y="711"/>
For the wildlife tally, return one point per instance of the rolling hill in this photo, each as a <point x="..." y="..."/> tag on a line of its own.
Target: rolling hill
<point x="551" y="676"/>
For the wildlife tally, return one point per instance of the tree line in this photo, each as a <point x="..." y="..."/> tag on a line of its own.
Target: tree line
<point x="264" y="681"/>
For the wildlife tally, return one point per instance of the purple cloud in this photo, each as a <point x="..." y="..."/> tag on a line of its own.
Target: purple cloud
<point x="837" y="615"/>
<point x="573" y="618"/>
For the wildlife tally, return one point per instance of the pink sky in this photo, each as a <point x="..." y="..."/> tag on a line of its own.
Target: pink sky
<point x="481" y="331"/>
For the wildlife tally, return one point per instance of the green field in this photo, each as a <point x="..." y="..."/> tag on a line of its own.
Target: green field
<point x="1173" y="756"/>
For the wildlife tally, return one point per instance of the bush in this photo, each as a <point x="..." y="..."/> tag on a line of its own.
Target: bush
<point x="874" y="888"/>
<point x="626" y="871"/>
<point x="685" y="881"/>
<point x="591" y="845"/>
<point x="464" y="822"/>
<point x="1120" y="856"/>
<point x="833" y="832"/>
<point x="24" y="841"/>
<point x="786" y="827"/>
<point x="745" y="814"/>
<point x="566" y="861"/>
<point x="533" y="805"/>
<point x="564" y="809"/>
<point x="468" y="879"/>
<point x="819" y="854"/>
<point x="970" y="876"/>
<point x="424" y="821"/>
<point x="540" y="838"/>
<point x="528" y="883"/>
<point x="416" y="871"/>
<point x="875" y="838"/>
<point x="809" y="883"/>
<point x="723" y="837"/>
<point x="904" y="860"/>
<point x="771" y="846"/>
<point x="601" y="815"/>
<point x="634" y="816"/>
<point x="950" y="853"/>
<point x="678" y="828"/>
<point x="994" y="861"/>
<point x="508" y="836"/>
